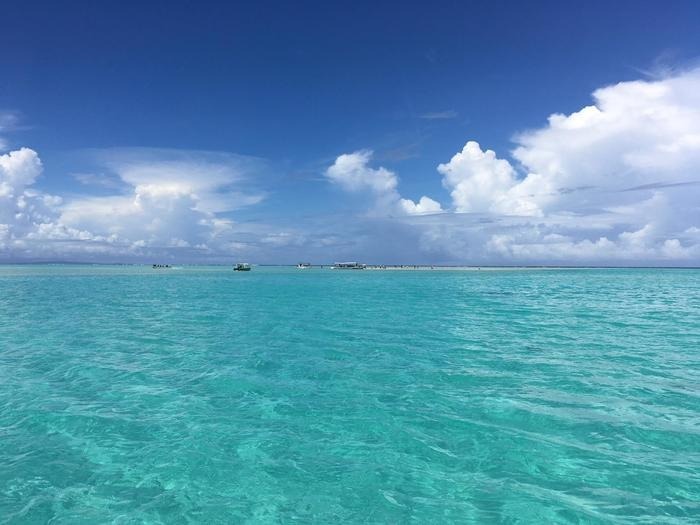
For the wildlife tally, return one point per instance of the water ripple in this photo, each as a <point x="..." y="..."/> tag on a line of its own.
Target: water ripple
<point x="205" y="396"/>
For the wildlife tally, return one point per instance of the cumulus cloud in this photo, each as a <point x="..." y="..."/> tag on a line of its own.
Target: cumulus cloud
<point x="423" y="206"/>
<point x="351" y="171"/>
<point x="576" y="173"/>
<point x="617" y="182"/>
<point x="18" y="169"/>
<point x="20" y="206"/>
<point x="172" y="199"/>
<point x="27" y="216"/>
<point x="213" y="179"/>
<point x="480" y="182"/>
<point x="168" y="201"/>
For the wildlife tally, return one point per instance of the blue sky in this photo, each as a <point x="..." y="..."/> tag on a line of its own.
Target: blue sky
<point x="217" y="131"/>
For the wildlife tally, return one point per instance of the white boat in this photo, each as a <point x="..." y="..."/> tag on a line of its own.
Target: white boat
<point x="348" y="266"/>
<point x="303" y="266"/>
<point x="241" y="267"/>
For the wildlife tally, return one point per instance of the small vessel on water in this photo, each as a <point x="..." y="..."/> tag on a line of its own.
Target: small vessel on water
<point x="348" y="266"/>
<point x="241" y="267"/>
<point x="303" y="266"/>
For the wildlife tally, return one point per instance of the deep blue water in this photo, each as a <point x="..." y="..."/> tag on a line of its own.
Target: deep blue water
<point x="202" y="395"/>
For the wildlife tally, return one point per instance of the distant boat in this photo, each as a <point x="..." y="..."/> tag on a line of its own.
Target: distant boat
<point x="242" y="267"/>
<point x="303" y="266"/>
<point x="348" y="266"/>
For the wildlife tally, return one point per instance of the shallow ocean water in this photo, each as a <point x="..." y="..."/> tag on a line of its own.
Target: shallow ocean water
<point x="202" y="395"/>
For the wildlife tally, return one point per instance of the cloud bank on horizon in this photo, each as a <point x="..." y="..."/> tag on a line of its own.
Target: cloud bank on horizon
<point x="617" y="182"/>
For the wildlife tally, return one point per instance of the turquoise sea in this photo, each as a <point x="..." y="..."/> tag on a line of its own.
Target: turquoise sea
<point x="203" y="395"/>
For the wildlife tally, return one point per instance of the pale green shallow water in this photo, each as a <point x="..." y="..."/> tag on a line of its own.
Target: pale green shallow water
<point x="200" y="395"/>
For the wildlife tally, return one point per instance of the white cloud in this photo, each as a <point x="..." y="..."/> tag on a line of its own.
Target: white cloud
<point x="18" y="169"/>
<point x="167" y="201"/>
<point x="351" y="171"/>
<point x="27" y="216"/>
<point x="617" y="182"/>
<point x="213" y="179"/>
<point x="20" y="206"/>
<point x="637" y="133"/>
<point x="480" y="182"/>
<point x="423" y="206"/>
<point x="626" y="169"/>
<point x="172" y="198"/>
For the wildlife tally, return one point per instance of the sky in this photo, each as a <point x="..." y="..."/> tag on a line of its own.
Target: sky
<point x="483" y="133"/>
